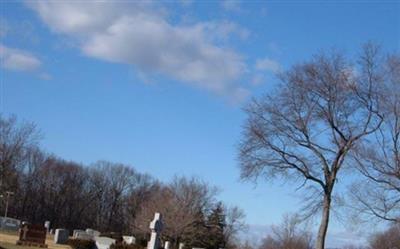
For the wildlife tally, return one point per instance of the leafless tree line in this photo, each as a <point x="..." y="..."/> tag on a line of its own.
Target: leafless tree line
<point x="292" y="233"/>
<point x="288" y="235"/>
<point x="110" y="197"/>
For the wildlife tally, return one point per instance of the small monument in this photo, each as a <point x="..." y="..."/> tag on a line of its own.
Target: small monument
<point x="47" y="226"/>
<point x="181" y="245"/>
<point x="83" y="235"/>
<point x="104" y="242"/>
<point x="32" y="235"/>
<point x="61" y="236"/>
<point x="76" y="231"/>
<point x="167" y="245"/>
<point x="156" y="228"/>
<point x="93" y="232"/>
<point x="130" y="240"/>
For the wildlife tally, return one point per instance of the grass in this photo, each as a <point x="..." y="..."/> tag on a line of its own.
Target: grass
<point x="8" y="232"/>
<point x="7" y="245"/>
<point x="9" y="238"/>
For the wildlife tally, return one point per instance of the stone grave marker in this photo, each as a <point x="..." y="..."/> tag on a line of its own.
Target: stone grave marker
<point x="181" y="245"/>
<point x="156" y="228"/>
<point x="47" y="226"/>
<point x="130" y="240"/>
<point x="93" y="232"/>
<point x="167" y="245"/>
<point x="75" y="232"/>
<point x="32" y="235"/>
<point x="83" y="235"/>
<point x="61" y="236"/>
<point x="104" y="242"/>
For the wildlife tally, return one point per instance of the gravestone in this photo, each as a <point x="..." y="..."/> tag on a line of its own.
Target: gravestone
<point x="181" y="245"/>
<point x="83" y="235"/>
<point x="32" y="235"/>
<point x="130" y="240"/>
<point x="75" y="232"/>
<point x="156" y="228"/>
<point x="47" y="226"/>
<point x="104" y="242"/>
<point x="167" y="245"/>
<point x="61" y="236"/>
<point x="93" y="232"/>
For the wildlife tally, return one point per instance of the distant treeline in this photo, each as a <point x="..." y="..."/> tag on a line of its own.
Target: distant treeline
<point x="107" y="196"/>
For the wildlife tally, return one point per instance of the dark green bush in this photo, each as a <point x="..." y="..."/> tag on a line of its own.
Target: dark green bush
<point x="81" y="244"/>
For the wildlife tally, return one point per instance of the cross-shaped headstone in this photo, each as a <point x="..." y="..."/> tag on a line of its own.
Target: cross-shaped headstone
<point x="25" y="229"/>
<point x="156" y="227"/>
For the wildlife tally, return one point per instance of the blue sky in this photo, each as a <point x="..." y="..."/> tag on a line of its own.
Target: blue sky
<point x="161" y="86"/>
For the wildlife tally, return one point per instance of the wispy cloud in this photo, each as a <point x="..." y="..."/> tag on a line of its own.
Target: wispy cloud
<point x="257" y="79"/>
<point x="18" y="60"/>
<point x="139" y="34"/>
<point x="267" y="64"/>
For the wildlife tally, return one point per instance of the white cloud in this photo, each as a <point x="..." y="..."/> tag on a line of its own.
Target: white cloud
<point x="18" y="60"/>
<point x="139" y="34"/>
<point x="223" y="30"/>
<point x="22" y="30"/>
<point x="267" y="64"/>
<point x="257" y="79"/>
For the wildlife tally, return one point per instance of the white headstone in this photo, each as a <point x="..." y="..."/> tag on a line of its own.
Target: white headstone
<point x="155" y="227"/>
<point x="130" y="240"/>
<point x="103" y="242"/>
<point x="77" y="231"/>
<point x="47" y="226"/>
<point x="181" y="245"/>
<point x="167" y="245"/>
<point x="83" y="235"/>
<point x="61" y="236"/>
<point x="93" y="232"/>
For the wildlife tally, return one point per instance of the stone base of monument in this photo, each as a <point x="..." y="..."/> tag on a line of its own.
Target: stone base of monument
<point x="32" y="235"/>
<point x="29" y="243"/>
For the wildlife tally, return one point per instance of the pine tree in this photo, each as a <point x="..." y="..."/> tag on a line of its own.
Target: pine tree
<point x="216" y="224"/>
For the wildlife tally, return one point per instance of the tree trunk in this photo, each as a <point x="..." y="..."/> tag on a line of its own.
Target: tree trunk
<point x="323" y="228"/>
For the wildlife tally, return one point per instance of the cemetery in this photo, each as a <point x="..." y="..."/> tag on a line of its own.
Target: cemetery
<point x="192" y="124"/>
<point x="15" y="234"/>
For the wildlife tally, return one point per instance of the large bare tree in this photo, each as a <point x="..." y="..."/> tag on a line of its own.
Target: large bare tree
<point x="378" y="157"/>
<point x="305" y="129"/>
